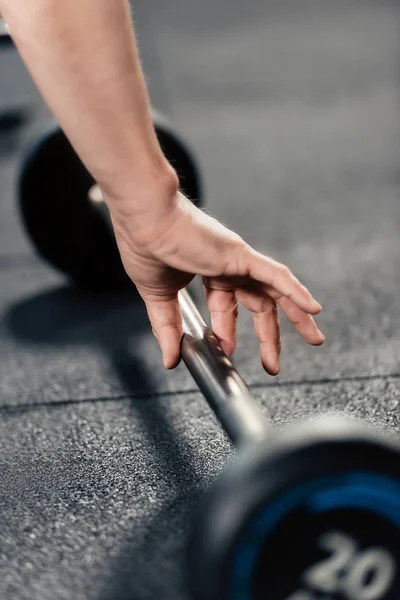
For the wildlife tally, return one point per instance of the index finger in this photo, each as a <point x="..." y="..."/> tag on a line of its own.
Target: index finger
<point x="279" y="277"/>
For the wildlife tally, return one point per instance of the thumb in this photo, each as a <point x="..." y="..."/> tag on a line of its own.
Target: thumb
<point x="166" y="321"/>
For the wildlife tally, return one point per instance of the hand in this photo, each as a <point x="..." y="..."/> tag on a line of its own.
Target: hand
<point x="164" y="257"/>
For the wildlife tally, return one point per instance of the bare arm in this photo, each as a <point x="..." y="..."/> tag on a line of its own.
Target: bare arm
<point x="83" y="57"/>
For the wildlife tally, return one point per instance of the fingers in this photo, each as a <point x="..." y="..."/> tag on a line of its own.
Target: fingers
<point x="166" y="322"/>
<point x="278" y="277"/>
<point x="165" y="318"/>
<point x="303" y="322"/>
<point x="223" y="307"/>
<point x="266" y="323"/>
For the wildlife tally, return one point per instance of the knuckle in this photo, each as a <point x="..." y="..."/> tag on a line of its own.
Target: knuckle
<point x="267" y="307"/>
<point x="238" y="241"/>
<point x="169" y="326"/>
<point x="240" y="255"/>
<point x="283" y="270"/>
<point x="243" y="246"/>
<point x="233" y="305"/>
<point x="240" y="247"/>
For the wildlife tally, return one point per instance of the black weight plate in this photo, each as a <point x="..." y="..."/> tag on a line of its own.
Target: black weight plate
<point x="313" y="516"/>
<point x="67" y="230"/>
<point x="177" y="152"/>
<point x="13" y="117"/>
<point x="5" y="38"/>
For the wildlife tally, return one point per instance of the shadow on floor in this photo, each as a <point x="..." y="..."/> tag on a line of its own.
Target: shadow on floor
<point x="116" y="323"/>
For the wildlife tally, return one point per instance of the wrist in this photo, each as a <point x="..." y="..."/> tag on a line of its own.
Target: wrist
<point x="142" y="187"/>
<point x="140" y="204"/>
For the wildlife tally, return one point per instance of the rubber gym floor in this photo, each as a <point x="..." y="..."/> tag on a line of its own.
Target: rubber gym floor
<point x="292" y="110"/>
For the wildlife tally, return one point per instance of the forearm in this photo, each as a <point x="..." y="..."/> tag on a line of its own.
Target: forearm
<point x="83" y="58"/>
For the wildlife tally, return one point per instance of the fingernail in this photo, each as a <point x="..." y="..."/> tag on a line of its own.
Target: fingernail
<point x="224" y="346"/>
<point x="321" y="335"/>
<point x="317" y="305"/>
<point x="275" y="370"/>
<point x="169" y="364"/>
<point x="227" y="348"/>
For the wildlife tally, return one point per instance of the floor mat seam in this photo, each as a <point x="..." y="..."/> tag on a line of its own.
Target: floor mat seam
<point x="28" y="406"/>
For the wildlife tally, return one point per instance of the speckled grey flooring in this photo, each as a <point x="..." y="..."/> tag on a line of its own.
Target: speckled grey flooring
<point x="292" y="109"/>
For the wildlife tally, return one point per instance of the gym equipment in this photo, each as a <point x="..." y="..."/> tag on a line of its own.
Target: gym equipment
<point x="5" y="38"/>
<point x="13" y="116"/>
<point x="62" y="207"/>
<point x="14" y="110"/>
<point x="312" y="513"/>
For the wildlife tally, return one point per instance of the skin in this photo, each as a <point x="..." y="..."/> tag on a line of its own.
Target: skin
<point x="82" y="54"/>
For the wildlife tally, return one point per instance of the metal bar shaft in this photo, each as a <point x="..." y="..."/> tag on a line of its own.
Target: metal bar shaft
<point x="217" y="378"/>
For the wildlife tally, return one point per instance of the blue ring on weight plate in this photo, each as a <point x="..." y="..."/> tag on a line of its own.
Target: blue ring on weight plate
<point x="357" y="489"/>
